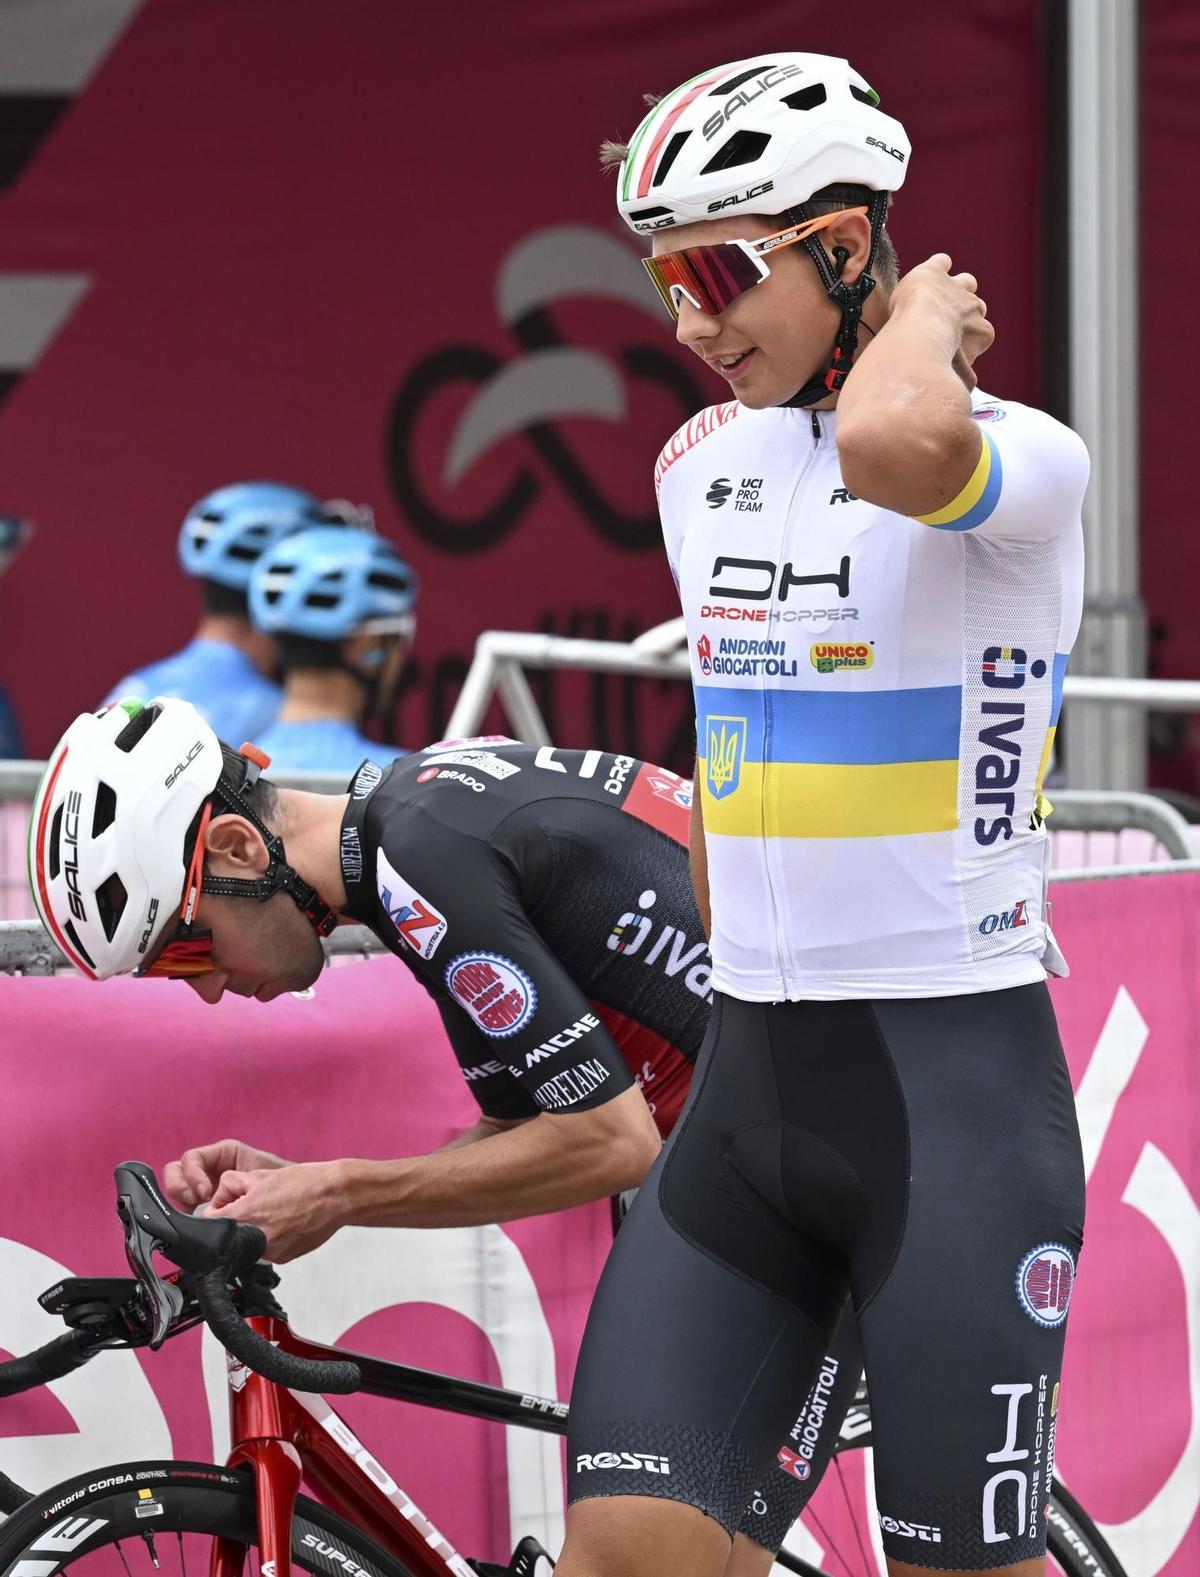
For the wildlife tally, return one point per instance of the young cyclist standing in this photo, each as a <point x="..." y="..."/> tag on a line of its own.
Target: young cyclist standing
<point x="881" y="573"/>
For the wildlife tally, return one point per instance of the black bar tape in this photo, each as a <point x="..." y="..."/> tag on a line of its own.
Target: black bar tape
<point x="51" y="1362"/>
<point x="227" y="1325"/>
<point x="12" y="1496"/>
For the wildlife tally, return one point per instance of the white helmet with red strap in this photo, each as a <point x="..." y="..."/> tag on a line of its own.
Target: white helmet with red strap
<point x="760" y="135"/>
<point x="109" y="822"/>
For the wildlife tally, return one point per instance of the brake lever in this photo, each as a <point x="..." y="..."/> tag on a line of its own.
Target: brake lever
<point x="151" y="1225"/>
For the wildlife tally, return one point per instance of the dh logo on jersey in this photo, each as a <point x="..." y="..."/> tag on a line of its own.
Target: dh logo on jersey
<point x="1045" y="1278"/>
<point x="417" y="922"/>
<point x="726" y="752"/>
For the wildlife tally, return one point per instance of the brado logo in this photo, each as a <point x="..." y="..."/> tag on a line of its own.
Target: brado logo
<point x="498" y="994"/>
<point x="1045" y="1278"/>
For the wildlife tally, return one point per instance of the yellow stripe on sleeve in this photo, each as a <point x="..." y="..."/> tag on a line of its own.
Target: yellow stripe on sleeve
<point x="970" y="494"/>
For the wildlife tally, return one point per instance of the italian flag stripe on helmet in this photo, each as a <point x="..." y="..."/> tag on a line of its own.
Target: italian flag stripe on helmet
<point x="664" y="115"/>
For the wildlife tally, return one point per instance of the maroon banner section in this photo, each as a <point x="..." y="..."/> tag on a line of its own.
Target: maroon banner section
<point x="381" y="261"/>
<point x="1170" y="347"/>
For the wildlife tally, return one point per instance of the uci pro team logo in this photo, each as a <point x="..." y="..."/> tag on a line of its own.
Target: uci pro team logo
<point x="726" y="751"/>
<point x="528" y="397"/>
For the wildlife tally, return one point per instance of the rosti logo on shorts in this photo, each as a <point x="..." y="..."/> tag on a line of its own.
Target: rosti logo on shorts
<point x="830" y="657"/>
<point x="497" y="993"/>
<point x="1044" y="1281"/>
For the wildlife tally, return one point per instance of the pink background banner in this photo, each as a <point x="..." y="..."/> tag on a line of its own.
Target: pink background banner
<point x="361" y="1067"/>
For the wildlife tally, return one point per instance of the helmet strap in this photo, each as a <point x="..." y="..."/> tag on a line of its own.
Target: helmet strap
<point x="851" y="299"/>
<point x="279" y="876"/>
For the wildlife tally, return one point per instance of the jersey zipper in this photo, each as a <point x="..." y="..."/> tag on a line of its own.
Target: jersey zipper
<point x="774" y="879"/>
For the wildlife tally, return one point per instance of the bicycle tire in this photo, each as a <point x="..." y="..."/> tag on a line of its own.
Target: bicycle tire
<point x="99" y="1510"/>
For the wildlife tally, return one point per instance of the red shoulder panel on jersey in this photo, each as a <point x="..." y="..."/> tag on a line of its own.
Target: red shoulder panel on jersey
<point x="690" y="434"/>
<point x="663" y="1073"/>
<point x="661" y="798"/>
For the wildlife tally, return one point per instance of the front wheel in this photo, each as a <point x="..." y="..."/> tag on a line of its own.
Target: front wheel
<point x="157" y="1518"/>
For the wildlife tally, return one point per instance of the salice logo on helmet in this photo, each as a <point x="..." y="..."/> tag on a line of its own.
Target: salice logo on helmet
<point x="1045" y="1279"/>
<point x="498" y="994"/>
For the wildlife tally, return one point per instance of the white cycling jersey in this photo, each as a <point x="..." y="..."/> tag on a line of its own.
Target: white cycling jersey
<point x="876" y="700"/>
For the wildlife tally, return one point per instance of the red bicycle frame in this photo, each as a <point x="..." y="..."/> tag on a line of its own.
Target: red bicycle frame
<point x="288" y="1437"/>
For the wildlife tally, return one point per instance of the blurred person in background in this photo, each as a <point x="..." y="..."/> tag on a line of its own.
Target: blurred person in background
<point x="14" y="533"/>
<point x="340" y="604"/>
<point x="226" y="670"/>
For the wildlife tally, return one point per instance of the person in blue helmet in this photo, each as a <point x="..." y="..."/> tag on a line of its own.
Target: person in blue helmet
<point x="340" y="605"/>
<point x="226" y="670"/>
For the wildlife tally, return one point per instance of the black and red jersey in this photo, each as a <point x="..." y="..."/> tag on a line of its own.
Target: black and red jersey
<point x="544" y="900"/>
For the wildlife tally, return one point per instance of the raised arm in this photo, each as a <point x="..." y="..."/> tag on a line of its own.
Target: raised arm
<point x="905" y="436"/>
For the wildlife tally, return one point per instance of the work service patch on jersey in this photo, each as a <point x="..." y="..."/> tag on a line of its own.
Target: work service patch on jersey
<point x="497" y="994"/>
<point x="418" y="924"/>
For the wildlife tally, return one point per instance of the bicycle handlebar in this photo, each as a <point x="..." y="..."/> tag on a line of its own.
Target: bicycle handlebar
<point x="241" y="1249"/>
<point x="51" y="1362"/>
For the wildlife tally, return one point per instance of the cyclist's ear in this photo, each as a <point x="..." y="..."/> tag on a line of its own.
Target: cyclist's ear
<point x="235" y="847"/>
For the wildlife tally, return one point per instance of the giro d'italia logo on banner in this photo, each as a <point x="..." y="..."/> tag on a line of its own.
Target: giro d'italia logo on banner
<point x="517" y="403"/>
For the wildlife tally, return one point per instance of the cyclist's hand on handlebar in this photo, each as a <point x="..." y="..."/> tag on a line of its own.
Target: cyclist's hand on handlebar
<point x="193" y="1179"/>
<point x="298" y="1207"/>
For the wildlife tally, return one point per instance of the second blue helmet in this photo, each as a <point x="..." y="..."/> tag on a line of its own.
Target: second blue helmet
<point x="330" y="583"/>
<point x="226" y="532"/>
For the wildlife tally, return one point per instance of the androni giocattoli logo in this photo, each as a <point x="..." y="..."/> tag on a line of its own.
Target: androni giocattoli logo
<point x="830" y="657"/>
<point x="726" y="740"/>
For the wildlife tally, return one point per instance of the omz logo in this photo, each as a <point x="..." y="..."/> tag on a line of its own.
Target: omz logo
<point x="1007" y="920"/>
<point x="998" y="770"/>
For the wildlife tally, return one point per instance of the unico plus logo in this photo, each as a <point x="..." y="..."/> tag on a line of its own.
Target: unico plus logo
<point x="998" y="769"/>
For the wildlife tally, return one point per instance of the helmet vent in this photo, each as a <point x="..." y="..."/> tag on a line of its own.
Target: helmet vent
<point x="321" y="599"/>
<point x="806" y="98"/>
<point x="386" y="582"/>
<point x="742" y="148"/>
<point x="244" y="552"/>
<point x="111" y="898"/>
<point x="735" y="82"/>
<point x="105" y="812"/>
<point x="52" y="851"/>
<point x="865" y="96"/>
<point x="136" y="728"/>
<point x="73" y="935"/>
<point x="669" y="157"/>
<point x="650" y="213"/>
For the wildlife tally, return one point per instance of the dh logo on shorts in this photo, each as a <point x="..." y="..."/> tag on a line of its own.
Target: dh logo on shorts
<point x="726" y="752"/>
<point x="1044" y="1282"/>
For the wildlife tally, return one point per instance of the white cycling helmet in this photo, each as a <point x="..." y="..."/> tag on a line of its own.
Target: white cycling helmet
<point x="763" y="135"/>
<point x="110" y="818"/>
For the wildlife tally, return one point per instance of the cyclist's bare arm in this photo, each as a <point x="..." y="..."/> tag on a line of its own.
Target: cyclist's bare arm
<point x="485" y="1128"/>
<point x="905" y="436"/>
<point x="698" y="856"/>
<point x="532" y="1168"/>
